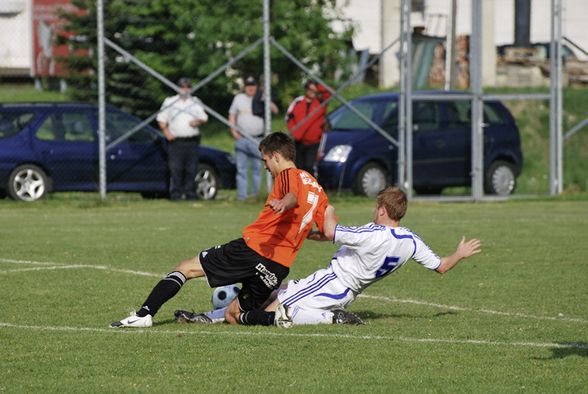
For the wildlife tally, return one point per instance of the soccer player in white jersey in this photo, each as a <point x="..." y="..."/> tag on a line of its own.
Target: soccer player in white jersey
<point x="367" y="254"/>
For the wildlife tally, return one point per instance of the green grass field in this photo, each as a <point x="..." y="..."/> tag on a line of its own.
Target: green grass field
<point x="512" y="319"/>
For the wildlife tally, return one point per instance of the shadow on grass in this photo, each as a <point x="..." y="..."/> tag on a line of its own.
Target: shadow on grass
<point x="374" y="315"/>
<point x="567" y="349"/>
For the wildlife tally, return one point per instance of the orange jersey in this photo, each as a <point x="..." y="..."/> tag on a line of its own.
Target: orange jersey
<point x="278" y="237"/>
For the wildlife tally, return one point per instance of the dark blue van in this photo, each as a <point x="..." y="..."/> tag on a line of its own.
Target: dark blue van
<point x="355" y="156"/>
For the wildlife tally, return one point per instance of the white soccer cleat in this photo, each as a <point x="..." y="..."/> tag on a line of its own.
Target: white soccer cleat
<point x="282" y="318"/>
<point x="133" y="321"/>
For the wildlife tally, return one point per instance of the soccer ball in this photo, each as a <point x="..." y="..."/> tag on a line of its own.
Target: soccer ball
<point x="222" y="296"/>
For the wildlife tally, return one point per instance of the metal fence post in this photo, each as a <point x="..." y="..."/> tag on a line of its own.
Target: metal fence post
<point x="267" y="78"/>
<point x="555" y="104"/>
<point x="101" y="101"/>
<point x="401" y="161"/>
<point x="407" y="145"/>
<point x="477" y="101"/>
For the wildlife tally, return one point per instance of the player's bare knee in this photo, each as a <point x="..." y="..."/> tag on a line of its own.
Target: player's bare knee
<point x="190" y="268"/>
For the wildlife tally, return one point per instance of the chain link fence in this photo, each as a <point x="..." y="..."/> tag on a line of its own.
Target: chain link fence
<point x="78" y="128"/>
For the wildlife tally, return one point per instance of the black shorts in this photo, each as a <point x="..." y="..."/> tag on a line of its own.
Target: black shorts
<point x="235" y="262"/>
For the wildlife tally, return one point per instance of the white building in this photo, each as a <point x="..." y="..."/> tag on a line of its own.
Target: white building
<point x="378" y="23"/>
<point x="16" y="43"/>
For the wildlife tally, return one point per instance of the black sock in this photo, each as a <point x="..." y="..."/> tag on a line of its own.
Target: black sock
<point x="162" y="292"/>
<point x="257" y="317"/>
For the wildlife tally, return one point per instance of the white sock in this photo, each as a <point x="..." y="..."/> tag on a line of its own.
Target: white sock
<point x="311" y="316"/>
<point x="217" y="315"/>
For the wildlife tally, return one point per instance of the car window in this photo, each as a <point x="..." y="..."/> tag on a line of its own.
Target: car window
<point x="66" y="126"/>
<point x="492" y="116"/>
<point x="391" y="117"/>
<point x="12" y="122"/>
<point x="425" y="116"/>
<point x="346" y="119"/>
<point x="118" y="124"/>
<point x="460" y="114"/>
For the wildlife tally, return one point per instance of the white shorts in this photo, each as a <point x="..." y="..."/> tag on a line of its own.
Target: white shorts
<point x="321" y="290"/>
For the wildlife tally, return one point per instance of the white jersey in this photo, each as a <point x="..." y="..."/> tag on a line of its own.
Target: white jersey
<point x="370" y="252"/>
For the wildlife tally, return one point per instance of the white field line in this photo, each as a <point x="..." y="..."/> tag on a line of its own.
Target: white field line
<point x="464" y="309"/>
<point x="53" y="266"/>
<point x="235" y="333"/>
<point x="45" y="268"/>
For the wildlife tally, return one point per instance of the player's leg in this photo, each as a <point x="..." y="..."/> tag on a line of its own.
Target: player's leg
<point x="317" y="299"/>
<point x="247" y="307"/>
<point x="285" y="317"/>
<point x="300" y="316"/>
<point x="264" y="315"/>
<point x="277" y="312"/>
<point x="163" y="291"/>
<point x="218" y="315"/>
<point x="169" y="286"/>
<point x="235" y="262"/>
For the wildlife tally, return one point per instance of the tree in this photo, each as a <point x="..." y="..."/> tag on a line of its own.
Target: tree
<point x="127" y="86"/>
<point x="194" y="37"/>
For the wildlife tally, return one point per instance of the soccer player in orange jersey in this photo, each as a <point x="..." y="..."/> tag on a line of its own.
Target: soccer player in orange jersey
<point x="261" y="259"/>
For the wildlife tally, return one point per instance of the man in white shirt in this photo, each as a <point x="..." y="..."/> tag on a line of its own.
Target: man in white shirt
<point x="246" y="146"/>
<point x="367" y="254"/>
<point x="179" y="118"/>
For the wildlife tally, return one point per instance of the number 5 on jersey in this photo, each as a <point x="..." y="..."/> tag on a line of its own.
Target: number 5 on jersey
<point x="389" y="265"/>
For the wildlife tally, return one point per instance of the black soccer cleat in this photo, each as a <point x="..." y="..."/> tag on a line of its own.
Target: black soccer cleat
<point x="341" y="316"/>
<point x="191" y="317"/>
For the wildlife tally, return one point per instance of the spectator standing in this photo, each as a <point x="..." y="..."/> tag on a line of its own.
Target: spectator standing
<point x="179" y="118"/>
<point x="308" y="130"/>
<point x="247" y="153"/>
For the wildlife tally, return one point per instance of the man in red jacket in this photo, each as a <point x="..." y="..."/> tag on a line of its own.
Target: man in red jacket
<point x="307" y="130"/>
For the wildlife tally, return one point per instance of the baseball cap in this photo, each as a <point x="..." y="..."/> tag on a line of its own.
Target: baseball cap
<point x="184" y="82"/>
<point x="250" y="81"/>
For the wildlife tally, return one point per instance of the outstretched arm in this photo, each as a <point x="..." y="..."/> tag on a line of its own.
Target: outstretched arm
<point x="464" y="250"/>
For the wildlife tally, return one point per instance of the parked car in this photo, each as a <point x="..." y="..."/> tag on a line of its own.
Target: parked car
<point x="355" y="156"/>
<point x="54" y="147"/>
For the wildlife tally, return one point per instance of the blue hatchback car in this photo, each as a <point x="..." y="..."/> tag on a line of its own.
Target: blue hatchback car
<point x="54" y="147"/>
<point x="355" y="156"/>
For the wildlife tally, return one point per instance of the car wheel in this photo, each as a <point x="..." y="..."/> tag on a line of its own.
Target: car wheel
<point x="370" y="180"/>
<point x="27" y="183"/>
<point x="500" y="179"/>
<point x="207" y="182"/>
